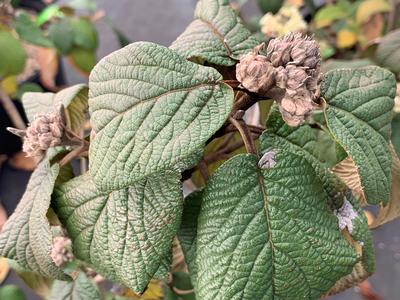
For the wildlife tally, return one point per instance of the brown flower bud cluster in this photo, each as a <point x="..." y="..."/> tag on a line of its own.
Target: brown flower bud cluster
<point x="61" y="251"/>
<point x="44" y="132"/>
<point x="289" y="73"/>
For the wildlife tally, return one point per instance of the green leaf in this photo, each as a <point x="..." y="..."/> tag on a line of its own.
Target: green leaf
<point x="333" y="64"/>
<point x="13" y="56"/>
<point x="361" y="239"/>
<point x="29" y="31"/>
<point x="217" y="35"/>
<point x="271" y="6"/>
<point x="62" y="36"/>
<point x="84" y="60"/>
<point x="328" y="14"/>
<point x="82" y="288"/>
<point x="151" y="110"/>
<point x="306" y="142"/>
<point x="188" y="231"/>
<point x="268" y="233"/>
<point x="358" y="114"/>
<point x="388" y="52"/>
<point x="125" y="234"/>
<point x="85" y="34"/>
<point x="11" y="292"/>
<point x="26" y="237"/>
<point x="46" y="14"/>
<point x="74" y="99"/>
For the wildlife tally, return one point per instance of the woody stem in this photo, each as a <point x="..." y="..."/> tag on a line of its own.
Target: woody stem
<point x="11" y="111"/>
<point x="245" y="134"/>
<point x="73" y="154"/>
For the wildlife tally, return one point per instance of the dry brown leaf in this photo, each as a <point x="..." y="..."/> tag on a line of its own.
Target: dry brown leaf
<point x="372" y="29"/>
<point x="48" y="61"/>
<point x="178" y="259"/>
<point x="392" y="209"/>
<point x="348" y="172"/>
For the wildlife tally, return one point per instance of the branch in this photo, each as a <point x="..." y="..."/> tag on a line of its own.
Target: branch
<point x="81" y="150"/>
<point x="12" y="111"/>
<point x="245" y="134"/>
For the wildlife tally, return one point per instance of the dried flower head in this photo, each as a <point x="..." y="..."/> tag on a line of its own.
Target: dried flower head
<point x="61" y="251"/>
<point x="294" y="48"/>
<point x="289" y="73"/>
<point x="44" y="132"/>
<point x="255" y="72"/>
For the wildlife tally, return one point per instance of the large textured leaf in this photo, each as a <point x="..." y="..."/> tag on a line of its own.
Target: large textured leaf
<point x="188" y="231"/>
<point x="151" y="111"/>
<point x="304" y="141"/>
<point x="125" y="234"/>
<point x="26" y="237"/>
<point x="268" y="233"/>
<point x="358" y="114"/>
<point x="361" y="240"/>
<point x="74" y="99"/>
<point x="217" y="35"/>
<point x="82" y="288"/>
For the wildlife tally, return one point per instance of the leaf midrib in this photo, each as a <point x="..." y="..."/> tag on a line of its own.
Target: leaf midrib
<point x="261" y="185"/>
<point x="220" y="36"/>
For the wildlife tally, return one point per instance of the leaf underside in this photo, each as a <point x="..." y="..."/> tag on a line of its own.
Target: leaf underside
<point x="74" y="99"/>
<point x="26" y="237"/>
<point x="151" y="110"/>
<point x="125" y="234"/>
<point x="358" y="115"/>
<point x="268" y="234"/>
<point x="217" y="35"/>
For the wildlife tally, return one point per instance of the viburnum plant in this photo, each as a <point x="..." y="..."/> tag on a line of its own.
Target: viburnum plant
<point x="277" y="209"/>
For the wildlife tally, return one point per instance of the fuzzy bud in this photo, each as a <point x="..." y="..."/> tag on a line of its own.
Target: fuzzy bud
<point x="305" y="52"/>
<point x="278" y="52"/>
<point x="44" y="132"/>
<point x="296" y="107"/>
<point x="61" y="251"/>
<point x="255" y="72"/>
<point x="296" y="77"/>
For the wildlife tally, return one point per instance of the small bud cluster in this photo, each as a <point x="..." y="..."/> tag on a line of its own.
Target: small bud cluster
<point x="346" y="215"/>
<point x="61" y="251"/>
<point x="44" y="132"/>
<point x="291" y="66"/>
